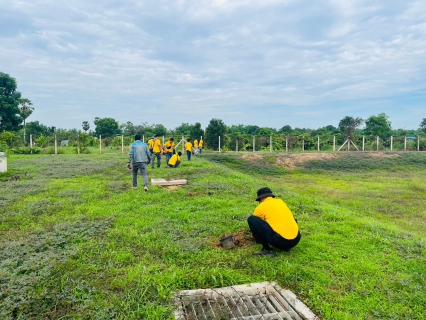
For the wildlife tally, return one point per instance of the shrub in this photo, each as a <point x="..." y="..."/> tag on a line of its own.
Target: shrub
<point x="25" y="150"/>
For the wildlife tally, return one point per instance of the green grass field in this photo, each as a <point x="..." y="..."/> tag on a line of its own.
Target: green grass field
<point x="77" y="242"/>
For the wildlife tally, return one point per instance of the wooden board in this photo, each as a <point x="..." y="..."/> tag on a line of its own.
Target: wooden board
<point x="164" y="182"/>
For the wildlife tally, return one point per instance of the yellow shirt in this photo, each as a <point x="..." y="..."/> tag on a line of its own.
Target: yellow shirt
<point x="157" y="146"/>
<point x="174" y="159"/>
<point x="169" y="146"/>
<point x="150" y="143"/>
<point x="201" y="143"/>
<point x="188" y="146"/>
<point x="276" y="213"/>
<point x="196" y="143"/>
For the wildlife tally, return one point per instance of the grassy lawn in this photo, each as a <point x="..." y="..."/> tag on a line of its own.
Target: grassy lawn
<point x="78" y="243"/>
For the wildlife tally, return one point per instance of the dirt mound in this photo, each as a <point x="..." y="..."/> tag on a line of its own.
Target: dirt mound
<point x="291" y="161"/>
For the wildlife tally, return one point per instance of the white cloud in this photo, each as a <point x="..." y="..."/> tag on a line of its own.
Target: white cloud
<point x="200" y="59"/>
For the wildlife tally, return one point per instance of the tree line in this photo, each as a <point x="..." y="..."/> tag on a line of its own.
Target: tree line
<point x="15" y="130"/>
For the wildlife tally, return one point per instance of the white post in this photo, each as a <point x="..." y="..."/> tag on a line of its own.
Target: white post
<point x="270" y="143"/>
<point x="254" y="138"/>
<point x="143" y="138"/>
<point x="31" y="141"/>
<point x="286" y="144"/>
<point x="405" y="143"/>
<point x="100" y="144"/>
<point x="219" y="143"/>
<point x="236" y="145"/>
<point x="56" y="145"/>
<point x="391" y="143"/>
<point x="318" y="145"/>
<point x="122" y="144"/>
<point x="303" y="145"/>
<point x="363" y="143"/>
<point x="418" y="143"/>
<point x="334" y="143"/>
<point x="163" y="140"/>
<point x="183" y="147"/>
<point x="78" y="144"/>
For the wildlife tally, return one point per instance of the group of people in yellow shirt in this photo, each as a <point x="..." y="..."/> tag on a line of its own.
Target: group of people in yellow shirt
<point x="173" y="159"/>
<point x="196" y="148"/>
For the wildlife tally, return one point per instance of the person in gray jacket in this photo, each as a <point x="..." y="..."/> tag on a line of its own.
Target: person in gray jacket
<point x="140" y="156"/>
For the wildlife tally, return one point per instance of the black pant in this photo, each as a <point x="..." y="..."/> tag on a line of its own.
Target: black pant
<point x="265" y="235"/>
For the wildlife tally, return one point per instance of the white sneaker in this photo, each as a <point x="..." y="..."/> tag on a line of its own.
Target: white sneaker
<point x="145" y="188"/>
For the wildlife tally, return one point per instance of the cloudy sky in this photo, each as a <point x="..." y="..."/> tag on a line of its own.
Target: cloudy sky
<point x="269" y="63"/>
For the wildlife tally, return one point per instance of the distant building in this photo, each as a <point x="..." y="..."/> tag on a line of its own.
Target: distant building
<point x="411" y="138"/>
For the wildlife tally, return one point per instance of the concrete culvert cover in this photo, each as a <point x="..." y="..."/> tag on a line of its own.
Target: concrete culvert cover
<point x="263" y="300"/>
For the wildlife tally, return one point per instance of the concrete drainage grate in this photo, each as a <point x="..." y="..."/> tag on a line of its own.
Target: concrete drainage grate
<point x="254" y="301"/>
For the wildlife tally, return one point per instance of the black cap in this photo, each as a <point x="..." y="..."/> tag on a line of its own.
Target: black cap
<point x="264" y="193"/>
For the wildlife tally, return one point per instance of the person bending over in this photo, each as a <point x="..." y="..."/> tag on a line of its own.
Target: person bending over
<point x="273" y="224"/>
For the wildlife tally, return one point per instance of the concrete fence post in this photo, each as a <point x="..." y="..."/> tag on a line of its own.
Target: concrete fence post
<point x="391" y="143"/>
<point x="405" y="143"/>
<point x="254" y="141"/>
<point x="219" y="144"/>
<point x="377" y="143"/>
<point x="286" y="144"/>
<point x="236" y="145"/>
<point x="334" y="143"/>
<point x="122" y="144"/>
<point x="100" y="143"/>
<point x="56" y="145"/>
<point x="183" y="147"/>
<point x="270" y="143"/>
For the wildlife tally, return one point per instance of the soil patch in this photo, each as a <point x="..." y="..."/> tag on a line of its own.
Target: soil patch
<point x="242" y="238"/>
<point x="291" y="161"/>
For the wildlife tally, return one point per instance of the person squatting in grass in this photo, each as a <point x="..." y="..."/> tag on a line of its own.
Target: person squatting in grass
<point x="169" y="148"/>
<point x="174" y="161"/>
<point x="157" y="150"/>
<point x="189" y="149"/>
<point x="273" y="224"/>
<point x="141" y="157"/>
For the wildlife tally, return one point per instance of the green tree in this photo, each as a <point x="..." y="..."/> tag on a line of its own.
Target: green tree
<point x="25" y="110"/>
<point x="348" y="126"/>
<point x="184" y="129"/>
<point x="8" y="137"/>
<point x="196" y="131"/>
<point x="423" y="125"/>
<point x="159" y="130"/>
<point x="36" y="128"/>
<point x="9" y="104"/>
<point x="214" y="130"/>
<point x="106" y="127"/>
<point x="86" y="126"/>
<point x="42" y="141"/>
<point x="378" y="126"/>
<point x="285" y="130"/>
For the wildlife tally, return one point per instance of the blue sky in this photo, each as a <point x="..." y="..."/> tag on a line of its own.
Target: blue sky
<point x="269" y="63"/>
